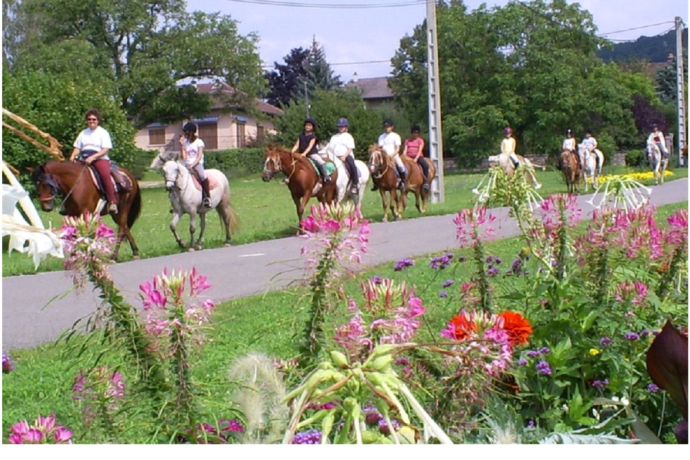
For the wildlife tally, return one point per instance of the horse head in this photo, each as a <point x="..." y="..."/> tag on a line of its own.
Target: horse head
<point x="272" y="163"/>
<point x="377" y="158"/>
<point x="161" y="158"/>
<point x="46" y="186"/>
<point x="494" y="160"/>
<point x="171" y="172"/>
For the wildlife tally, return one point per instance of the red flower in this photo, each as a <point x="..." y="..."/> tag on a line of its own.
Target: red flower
<point x="459" y="327"/>
<point x="517" y="327"/>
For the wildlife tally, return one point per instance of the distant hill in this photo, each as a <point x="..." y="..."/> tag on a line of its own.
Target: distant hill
<point x="652" y="49"/>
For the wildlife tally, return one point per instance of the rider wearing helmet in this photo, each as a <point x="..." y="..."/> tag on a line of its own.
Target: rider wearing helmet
<point x="570" y="144"/>
<point x="508" y="146"/>
<point x="343" y="145"/>
<point x="657" y="137"/>
<point x="413" y="148"/>
<point x="306" y="146"/>
<point x="391" y="142"/>
<point x="193" y="156"/>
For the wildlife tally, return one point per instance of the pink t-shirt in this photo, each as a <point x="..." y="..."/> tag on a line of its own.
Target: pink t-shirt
<point x="413" y="146"/>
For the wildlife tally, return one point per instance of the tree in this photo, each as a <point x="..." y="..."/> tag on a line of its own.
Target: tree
<point x="319" y="73"/>
<point x="326" y="108"/>
<point x="144" y="47"/>
<point x="285" y="81"/>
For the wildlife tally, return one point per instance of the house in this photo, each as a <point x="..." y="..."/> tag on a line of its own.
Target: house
<point x="223" y="128"/>
<point x="375" y="91"/>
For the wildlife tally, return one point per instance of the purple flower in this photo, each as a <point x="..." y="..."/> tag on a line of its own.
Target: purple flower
<point x="307" y="437"/>
<point x="493" y="271"/>
<point x="632" y="336"/>
<point x="403" y="263"/>
<point x="533" y="354"/>
<point x="543" y="368"/>
<point x="443" y="294"/>
<point x="383" y="426"/>
<point x="530" y="424"/>
<point x="439" y="263"/>
<point x="600" y="384"/>
<point x="545" y="350"/>
<point x="652" y="388"/>
<point x="522" y="362"/>
<point x="231" y="425"/>
<point x="7" y="365"/>
<point x="376" y="279"/>
<point x="605" y="341"/>
<point x="448" y="283"/>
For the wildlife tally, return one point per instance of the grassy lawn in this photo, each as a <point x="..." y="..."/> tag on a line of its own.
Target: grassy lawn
<point x="269" y="323"/>
<point x="265" y="212"/>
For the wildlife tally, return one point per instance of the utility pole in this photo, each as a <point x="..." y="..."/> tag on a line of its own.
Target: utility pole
<point x="306" y="98"/>
<point x="682" y="116"/>
<point x="435" y="133"/>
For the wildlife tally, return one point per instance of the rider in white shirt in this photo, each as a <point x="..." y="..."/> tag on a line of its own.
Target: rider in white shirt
<point x="657" y="137"/>
<point x="391" y="142"/>
<point x="508" y="146"/>
<point x="343" y="146"/>
<point x="570" y="144"/>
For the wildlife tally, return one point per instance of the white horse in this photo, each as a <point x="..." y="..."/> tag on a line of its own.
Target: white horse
<point x="592" y="162"/>
<point x="343" y="191"/>
<point x="503" y="160"/>
<point x="185" y="197"/>
<point x="657" y="162"/>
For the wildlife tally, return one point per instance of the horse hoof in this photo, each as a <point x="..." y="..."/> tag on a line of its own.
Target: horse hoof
<point x="227" y="245"/>
<point x="190" y="250"/>
<point x="136" y="257"/>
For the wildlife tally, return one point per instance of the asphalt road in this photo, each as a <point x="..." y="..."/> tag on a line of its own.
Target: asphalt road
<point x="36" y="309"/>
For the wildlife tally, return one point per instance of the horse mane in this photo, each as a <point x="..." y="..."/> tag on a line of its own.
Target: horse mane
<point x="375" y="147"/>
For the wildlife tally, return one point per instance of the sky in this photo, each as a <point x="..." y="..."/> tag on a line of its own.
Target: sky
<point x="367" y="36"/>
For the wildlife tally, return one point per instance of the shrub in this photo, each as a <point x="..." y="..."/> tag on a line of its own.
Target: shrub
<point x="235" y="162"/>
<point x="635" y="158"/>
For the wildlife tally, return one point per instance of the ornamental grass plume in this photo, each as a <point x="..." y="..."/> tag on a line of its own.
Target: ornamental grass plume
<point x="43" y="431"/>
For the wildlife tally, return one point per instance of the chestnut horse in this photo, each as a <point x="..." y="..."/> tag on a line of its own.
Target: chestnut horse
<point x="73" y="181"/>
<point x="303" y="180"/>
<point x="382" y="169"/>
<point x="567" y="163"/>
<point x="414" y="182"/>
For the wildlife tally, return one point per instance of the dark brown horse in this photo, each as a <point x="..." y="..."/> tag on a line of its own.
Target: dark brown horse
<point x="303" y="181"/>
<point x="382" y="169"/>
<point x="414" y="183"/>
<point x="572" y="173"/>
<point x="73" y="181"/>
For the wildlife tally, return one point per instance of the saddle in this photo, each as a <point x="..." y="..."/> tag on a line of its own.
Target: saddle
<point x="330" y="167"/>
<point x="120" y="181"/>
<point x="212" y="182"/>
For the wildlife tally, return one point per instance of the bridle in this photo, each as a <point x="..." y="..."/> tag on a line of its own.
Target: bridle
<point x="44" y="177"/>
<point x="274" y="158"/>
<point x="378" y="163"/>
<point x="175" y="182"/>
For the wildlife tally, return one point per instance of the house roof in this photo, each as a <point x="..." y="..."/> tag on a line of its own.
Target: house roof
<point x="372" y="88"/>
<point x="223" y="88"/>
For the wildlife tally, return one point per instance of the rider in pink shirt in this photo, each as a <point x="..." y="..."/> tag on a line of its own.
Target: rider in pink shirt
<point x="414" y="148"/>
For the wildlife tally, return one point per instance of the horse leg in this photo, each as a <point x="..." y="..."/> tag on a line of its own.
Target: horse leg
<point x="300" y="204"/>
<point x="173" y="228"/>
<point x="385" y="205"/>
<point x="202" y="228"/>
<point x="192" y="229"/>
<point x="396" y="203"/>
<point x="225" y="216"/>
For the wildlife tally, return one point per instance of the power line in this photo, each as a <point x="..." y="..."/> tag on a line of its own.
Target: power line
<point x="345" y="63"/>
<point x="330" y="5"/>
<point x="641" y="27"/>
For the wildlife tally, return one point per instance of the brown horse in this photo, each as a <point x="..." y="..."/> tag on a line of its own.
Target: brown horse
<point x="80" y="195"/>
<point x="382" y="169"/>
<point x="303" y="181"/>
<point x="567" y="163"/>
<point x="414" y="182"/>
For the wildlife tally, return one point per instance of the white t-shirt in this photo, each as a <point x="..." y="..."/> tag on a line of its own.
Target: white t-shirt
<point x="569" y="144"/>
<point x="192" y="149"/>
<point x="390" y="142"/>
<point x="653" y="138"/>
<point x="94" y="139"/>
<point x="590" y="143"/>
<point x="342" y="142"/>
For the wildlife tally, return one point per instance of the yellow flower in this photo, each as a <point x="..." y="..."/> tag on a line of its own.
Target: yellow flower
<point x="594" y="351"/>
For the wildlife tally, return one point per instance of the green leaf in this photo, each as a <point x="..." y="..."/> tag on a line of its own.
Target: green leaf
<point x="589" y="320"/>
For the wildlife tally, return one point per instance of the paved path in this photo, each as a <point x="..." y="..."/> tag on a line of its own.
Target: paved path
<point x="37" y="308"/>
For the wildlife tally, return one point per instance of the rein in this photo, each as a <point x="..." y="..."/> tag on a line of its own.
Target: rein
<point x="378" y="165"/>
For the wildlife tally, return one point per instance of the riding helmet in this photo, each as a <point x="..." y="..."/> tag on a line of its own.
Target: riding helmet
<point x="189" y="126"/>
<point x="508" y="130"/>
<point x="343" y="122"/>
<point x="415" y="129"/>
<point x="388" y="122"/>
<point x="568" y="131"/>
<point x="311" y="121"/>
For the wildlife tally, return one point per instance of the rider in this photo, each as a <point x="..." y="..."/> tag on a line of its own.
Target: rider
<point x="508" y="146"/>
<point x="343" y="145"/>
<point x="413" y="148"/>
<point x="570" y="144"/>
<point x="306" y="146"/>
<point x="391" y="142"/>
<point x="92" y="146"/>
<point x="657" y="137"/>
<point x="193" y="156"/>
<point x="590" y="143"/>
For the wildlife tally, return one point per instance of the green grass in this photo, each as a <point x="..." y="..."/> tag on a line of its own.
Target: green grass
<point x="270" y="323"/>
<point x="265" y="212"/>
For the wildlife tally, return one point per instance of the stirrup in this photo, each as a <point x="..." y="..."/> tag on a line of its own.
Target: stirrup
<point x="112" y="208"/>
<point x="425" y="186"/>
<point x="326" y="179"/>
<point x="401" y="185"/>
<point x="206" y="202"/>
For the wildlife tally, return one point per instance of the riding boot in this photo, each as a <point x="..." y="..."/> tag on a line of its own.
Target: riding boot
<point x="205" y="195"/>
<point x="375" y="187"/>
<point x="516" y="164"/>
<point x="325" y="178"/>
<point x="401" y="185"/>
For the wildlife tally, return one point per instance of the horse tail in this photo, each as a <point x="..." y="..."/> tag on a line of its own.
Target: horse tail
<point x="135" y="209"/>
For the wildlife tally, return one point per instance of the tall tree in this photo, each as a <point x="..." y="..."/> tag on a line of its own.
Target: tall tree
<point x="145" y="47"/>
<point x="284" y="82"/>
<point x="319" y="72"/>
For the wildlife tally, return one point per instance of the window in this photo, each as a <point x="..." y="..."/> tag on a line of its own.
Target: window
<point x="259" y="132"/>
<point x="208" y="132"/>
<point x="157" y="136"/>
<point x="241" y="138"/>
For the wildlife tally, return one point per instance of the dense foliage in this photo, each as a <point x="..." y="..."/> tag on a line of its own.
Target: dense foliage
<point x="652" y="49"/>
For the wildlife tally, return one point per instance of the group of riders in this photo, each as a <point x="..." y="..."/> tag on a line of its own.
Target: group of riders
<point x="342" y="145"/>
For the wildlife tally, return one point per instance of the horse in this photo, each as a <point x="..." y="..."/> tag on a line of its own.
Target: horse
<point x="414" y="183"/>
<point x="303" y="180"/>
<point x="567" y="163"/>
<point x="382" y="169"/>
<point x="503" y="160"/>
<point x="592" y="163"/>
<point x="184" y="192"/>
<point x="343" y="191"/>
<point x="80" y="195"/>
<point x="657" y="162"/>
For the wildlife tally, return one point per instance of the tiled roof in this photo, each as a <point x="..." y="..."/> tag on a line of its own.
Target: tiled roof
<point x="220" y="87"/>
<point x="372" y="88"/>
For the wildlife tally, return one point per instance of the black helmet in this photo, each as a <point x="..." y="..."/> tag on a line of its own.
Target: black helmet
<point x="589" y="131"/>
<point x="568" y="131"/>
<point x="388" y="122"/>
<point x="415" y="129"/>
<point x="311" y="121"/>
<point x="189" y="126"/>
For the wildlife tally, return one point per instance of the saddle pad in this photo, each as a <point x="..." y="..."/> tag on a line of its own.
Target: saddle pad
<point x="96" y="179"/>
<point x="212" y="182"/>
<point x="330" y="167"/>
